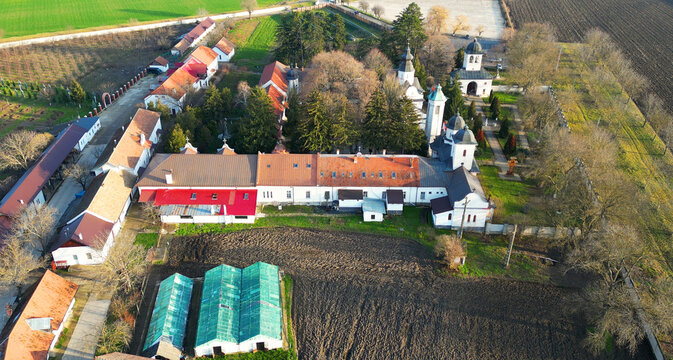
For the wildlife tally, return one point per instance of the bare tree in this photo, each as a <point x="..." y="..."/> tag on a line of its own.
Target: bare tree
<point x="377" y="61"/>
<point x="364" y="5"/>
<point x="667" y="134"/>
<point x="532" y="55"/>
<point x="201" y="12"/>
<point x="437" y="55"/>
<point x="480" y="29"/>
<point x="123" y="267"/>
<point x="378" y="10"/>
<point x="20" y="148"/>
<point x="249" y="6"/>
<point x="16" y="264"/>
<point x="151" y="212"/>
<point x="460" y="23"/>
<point x="450" y="249"/>
<point x="659" y="305"/>
<point x="35" y="225"/>
<point x="437" y="19"/>
<point x="114" y="337"/>
<point x="538" y="110"/>
<point x="242" y="93"/>
<point x="79" y="173"/>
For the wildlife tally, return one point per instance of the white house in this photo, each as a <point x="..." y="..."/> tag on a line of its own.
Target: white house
<point x="159" y="65"/>
<point x="133" y="150"/>
<point x="88" y="236"/>
<point x="91" y="125"/>
<point x="193" y="37"/>
<point x="225" y="50"/>
<point x="373" y="210"/>
<point x="465" y="197"/>
<point x="394" y="201"/>
<point x="473" y="79"/>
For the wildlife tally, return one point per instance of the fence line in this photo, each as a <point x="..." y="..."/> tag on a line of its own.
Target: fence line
<point x="548" y="232"/>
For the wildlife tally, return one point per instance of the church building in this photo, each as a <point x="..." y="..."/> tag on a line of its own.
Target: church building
<point x="473" y="79"/>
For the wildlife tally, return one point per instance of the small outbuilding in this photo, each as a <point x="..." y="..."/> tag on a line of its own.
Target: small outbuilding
<point x="159" y="65"/>
<point x="373" y="210"/>
<point x="225" y="50"/>
<point x="394" y="202"/>
<point x="350" y="200"/>
<point x="91" y="125"/>
<point x="442" y="211"/>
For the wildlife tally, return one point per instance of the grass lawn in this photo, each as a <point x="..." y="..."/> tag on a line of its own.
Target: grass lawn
<point x="414" y="223"/>
<point x="510" y="196"/>
<point x="28" y="17"/>
<point x="505" y="98"/>
<point x="253" y="39"/>
<point x="33" y="114"/>
<point x="640" y="150"/>
<point x="291" y="209"/>
<point x="354" y="26"/>
<point x="146" y="240"/>
<point x="485" y="153"/>
<point x="232" y="79"/>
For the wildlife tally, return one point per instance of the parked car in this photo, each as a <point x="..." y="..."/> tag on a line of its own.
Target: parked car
<point x="499" y="66"/>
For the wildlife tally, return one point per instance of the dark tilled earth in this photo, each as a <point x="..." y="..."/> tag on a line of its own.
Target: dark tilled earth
<point x="359" y="296"/>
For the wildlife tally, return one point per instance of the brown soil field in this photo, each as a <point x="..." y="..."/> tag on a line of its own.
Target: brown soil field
<point x="643" y="28"/>
<point x="100" y="63"/>
<point x="360" y="296"/>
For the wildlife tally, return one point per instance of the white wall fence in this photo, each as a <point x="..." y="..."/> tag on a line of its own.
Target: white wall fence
<point x="548" y="232"/>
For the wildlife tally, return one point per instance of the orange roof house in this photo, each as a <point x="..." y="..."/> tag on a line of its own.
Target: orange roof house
<point x="225" y="45"/>
<point x="204" y="55"/>
<point x="40" y="321"/>
<point x="274" y="73"/>
<point x="287" y="169"/>
<point x="176" y="85"/>
<point x="368" y="171"/>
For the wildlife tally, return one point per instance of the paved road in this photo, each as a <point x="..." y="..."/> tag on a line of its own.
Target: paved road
<point x="82" y="345"/>
<point x="112" y="118"/>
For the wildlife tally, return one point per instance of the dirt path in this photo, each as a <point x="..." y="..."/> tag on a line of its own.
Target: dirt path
<point x="359" y="296"/>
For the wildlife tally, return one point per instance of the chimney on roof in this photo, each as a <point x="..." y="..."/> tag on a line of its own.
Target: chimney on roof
<point x="80" y="236"/>
<point x="21" y="201"/>
<point x="142" y="139"/>
<point x="9" y="310"/>
<point x="338" y="151"/>
<point x="384" y="151"/>
<point x="169" y="177"/>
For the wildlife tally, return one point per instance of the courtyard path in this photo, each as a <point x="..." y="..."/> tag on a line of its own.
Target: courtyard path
<point x="82" y="345"/>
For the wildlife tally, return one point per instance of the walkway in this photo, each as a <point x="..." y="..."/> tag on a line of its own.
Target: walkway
<point x="499" y="158"/>
<point x="82" y="345"/>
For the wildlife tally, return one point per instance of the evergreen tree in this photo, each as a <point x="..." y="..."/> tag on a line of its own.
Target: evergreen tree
<point x="472" y="111"/>
<point x="454" y="98"/>
<point x="289" y="42"/>
<point x="313" y="34"/>
<point x="477" y="124"/>
<point x="256" y="131"/>
<point x="188" y="120"/>
<point x="77" y="94"/>
<point x="205" y="141"/>
<point x="481" y="139"/>
<point x="421" y="74"/>
<point x="495" y="108"/>
<point x="490" y="97"/>
<point x="213" y="104"/>
<point x="176" y="140"/>
<point x="376" y="129"/>
<point x="505" y="125"/>
<point x="315" y="127"/>
<point x="405" y="134"/>
<point x="407" y="28"/>
<point x="291" y="127"/>
<point x="458" y="59"/>
<point x="510" y="145"/>
<point x="336" y="35"/>
<point x="161" y="109"/>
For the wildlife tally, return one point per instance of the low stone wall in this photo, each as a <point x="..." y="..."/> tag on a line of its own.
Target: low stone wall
<point x="536" y="231"/>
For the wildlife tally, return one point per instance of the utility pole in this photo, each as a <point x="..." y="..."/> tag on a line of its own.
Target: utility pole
<point x="558" y="59"/>
<point x="510" y="247"/>
<point x="462" y="222"/>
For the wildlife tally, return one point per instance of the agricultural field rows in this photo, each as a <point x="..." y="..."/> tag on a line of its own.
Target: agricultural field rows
<point x="643" y="29"/>
<point x="641" y="152"/>
<point x="29" y="17"/>
<point x="376" y="297"/>
<point x="253" y="39"/>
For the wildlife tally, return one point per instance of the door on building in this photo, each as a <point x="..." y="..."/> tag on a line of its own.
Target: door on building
<point x="472" y="88"/>
<point x="260" y="346"/>
<point x="217" y="351"/>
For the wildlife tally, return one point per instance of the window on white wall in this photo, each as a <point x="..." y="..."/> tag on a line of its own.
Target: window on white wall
<point x="364" y="193"/>
<point x="88" y="256"/>
<point x="422" y="195"/>
<point x="289" y="194"/>
<point x="308" y="194"/>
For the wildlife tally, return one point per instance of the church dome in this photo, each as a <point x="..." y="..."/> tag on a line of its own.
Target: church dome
<point x="406" y="65"/>
<point x="474" y="47"/>
<point x="456" y="122"/>
<point x="292" y="74"/>
<point x="464" y="136"/>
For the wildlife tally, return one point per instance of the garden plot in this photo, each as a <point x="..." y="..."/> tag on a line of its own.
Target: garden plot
<point x="360" y="296"/>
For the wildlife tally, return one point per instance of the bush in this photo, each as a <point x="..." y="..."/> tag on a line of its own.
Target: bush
<point x="450" y="249"/>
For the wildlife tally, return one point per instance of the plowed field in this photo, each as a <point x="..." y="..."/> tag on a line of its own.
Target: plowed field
<point x="359" y="296"/>
<point x="643" y="28"/>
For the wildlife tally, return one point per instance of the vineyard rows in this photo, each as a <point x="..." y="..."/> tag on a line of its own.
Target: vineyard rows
<point x="643" y="28"/>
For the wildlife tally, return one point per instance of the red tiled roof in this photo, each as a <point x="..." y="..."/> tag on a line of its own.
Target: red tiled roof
<point x="342" y="170"/>
<point x="51" y="299"/>
<point x="176" y="84"/>
<point x="160" y="60"/>
<point x="195" y="68"/>
<point x="275" y="72"/>
<point x="287" y="169"/>
<point x="277" y="99"/>
<point x="128" y="150"/>
<point x="234" y="200"/>
<point x="225" y="45"/>
<point x="204" y="54"/>
<point x="32" y="181"/>
<point x="183" y="44"/>
<point x="90" y="227"/>
<point x="193" y="34"/>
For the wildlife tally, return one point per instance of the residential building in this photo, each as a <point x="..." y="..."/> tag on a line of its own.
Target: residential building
<point x="159" y="65"/>
<point x="225" y="50"/>
<point x="35" y="325"/>
<point x="132" y="151"/>
<point x="193" y="37"/>
<point x="91" y="125"/>
<point x="88" y="236"/>
<point x="473" y="79"/>
<point x="465" y="204"/>
<point x="41" y="177"/>
<point x="240" y="310"/>
<point x="166" y="332"/>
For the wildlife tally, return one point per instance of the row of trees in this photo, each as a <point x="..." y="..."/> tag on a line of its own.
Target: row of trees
<point x="302" y="35"/>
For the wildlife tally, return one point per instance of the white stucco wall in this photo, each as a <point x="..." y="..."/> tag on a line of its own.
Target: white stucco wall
<point x="222" y="57"/>
<point x="368" y="216"/>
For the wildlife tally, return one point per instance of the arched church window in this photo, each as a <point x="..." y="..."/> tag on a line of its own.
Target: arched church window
<point x="437" y="110"/>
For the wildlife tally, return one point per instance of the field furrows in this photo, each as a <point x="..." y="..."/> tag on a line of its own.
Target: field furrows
<point x="359" y="296"/>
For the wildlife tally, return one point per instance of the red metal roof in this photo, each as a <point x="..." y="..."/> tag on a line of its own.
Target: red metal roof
<point x="32" y="181"/>
<point x="90" y="227"/>
<point x="237" y="202"/>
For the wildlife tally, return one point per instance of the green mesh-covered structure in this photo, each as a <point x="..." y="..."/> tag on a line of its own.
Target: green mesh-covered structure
<point x="240" y="310"/>
<point x="169" y="318"/>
